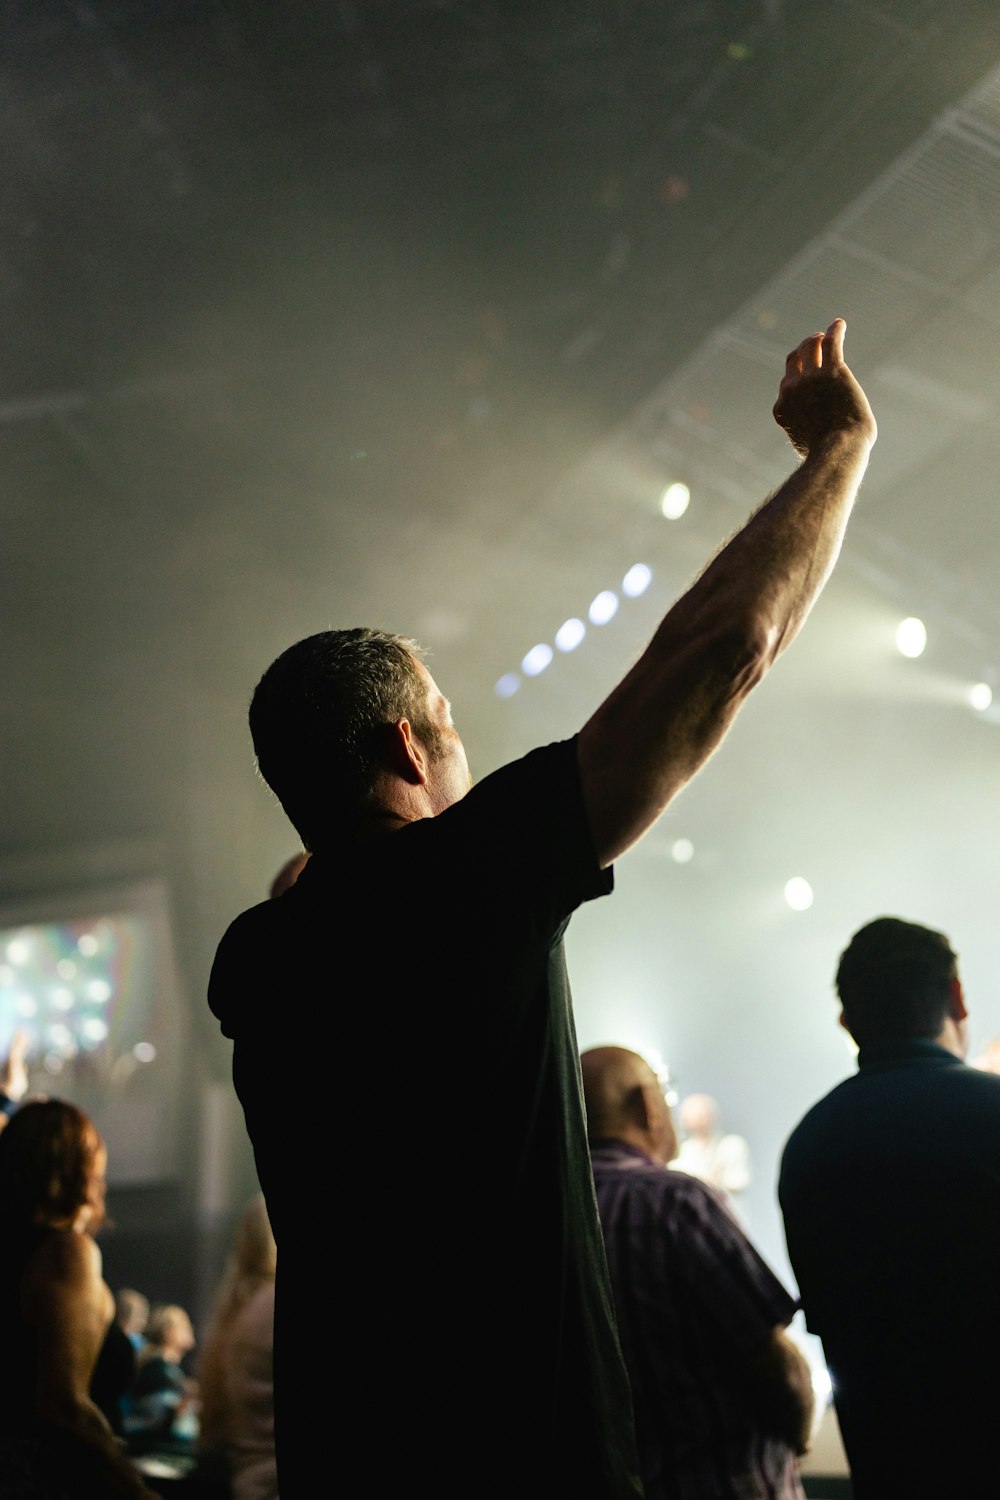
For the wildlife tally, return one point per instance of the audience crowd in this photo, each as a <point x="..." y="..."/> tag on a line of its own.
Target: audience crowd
<point x="646" y="1340"/>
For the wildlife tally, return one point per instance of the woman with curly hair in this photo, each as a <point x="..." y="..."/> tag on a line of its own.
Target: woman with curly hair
<point x="55" y="1311"/>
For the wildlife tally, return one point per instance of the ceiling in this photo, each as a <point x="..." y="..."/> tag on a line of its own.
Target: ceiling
<point x="404" y="314"/>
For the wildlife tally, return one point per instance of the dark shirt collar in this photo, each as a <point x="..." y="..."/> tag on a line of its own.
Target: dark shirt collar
<point x="609" y="1146"/>
<point x="919" y="1049"/>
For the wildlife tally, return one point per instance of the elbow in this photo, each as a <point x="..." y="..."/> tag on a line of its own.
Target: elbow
<point x="745" y="652"/>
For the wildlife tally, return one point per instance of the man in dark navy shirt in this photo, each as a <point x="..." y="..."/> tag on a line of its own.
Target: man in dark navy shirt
<point x="890" y="1190"/>
<point x="431" y="1199"/>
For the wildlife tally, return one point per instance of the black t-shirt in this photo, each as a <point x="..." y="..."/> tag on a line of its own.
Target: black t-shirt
<point x="407" y="1063"/>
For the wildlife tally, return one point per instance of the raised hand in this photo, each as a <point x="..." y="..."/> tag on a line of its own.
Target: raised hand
<point x="819" y="397"/>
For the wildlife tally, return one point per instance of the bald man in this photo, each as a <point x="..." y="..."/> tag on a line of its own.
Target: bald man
<point x="723" y="1398"/>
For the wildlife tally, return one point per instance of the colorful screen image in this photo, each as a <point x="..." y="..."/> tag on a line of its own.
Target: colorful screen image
<point x="92" y="999"/>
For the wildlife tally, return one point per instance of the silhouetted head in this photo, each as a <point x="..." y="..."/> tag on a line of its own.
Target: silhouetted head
<point x="898" y="980"/>
<point x="52" y="1166"/>
<point x="625" y="1101"/>
<point x="319" y="716"/>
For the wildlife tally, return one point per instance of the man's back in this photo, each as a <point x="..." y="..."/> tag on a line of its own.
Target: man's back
<point x="890" y="1190"/>
<point x="416" y="989"/>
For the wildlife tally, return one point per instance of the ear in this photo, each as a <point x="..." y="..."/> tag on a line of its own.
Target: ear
<point x="956" y="1001"/>
<point x="842" y="1021"/>
<point x="642" y="1105"/>
<point x="405" y="757"/>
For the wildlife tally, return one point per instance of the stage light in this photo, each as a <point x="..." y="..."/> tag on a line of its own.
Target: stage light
<point x="507" y="685"/>
<point x="682" y="851"/>
<point x="87" y="944"/>
<point x="93" y="1030"/>
<point x="536" y="660"/>
<point x="603" y="608"/>
<point x="911" y="637"/>
<point x="674" y="501"/>
<point x="799" y="894"/>
<point x="99" y="990"/>
<point x="66" y="968"/>
<point x="980" y="696"/>
<point x="570" y="634"/>
<point x="18" y="951"/>
<point x="62" y="998"/>
<point x="637" y="580"/>
<point x="144" y="1052"/>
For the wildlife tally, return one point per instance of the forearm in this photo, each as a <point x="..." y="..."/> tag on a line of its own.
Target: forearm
<point x="770" y="574"/>
<point x="83" y="1445"/>
<point x="781" y="1391"/>
<point x="675" y="706"/>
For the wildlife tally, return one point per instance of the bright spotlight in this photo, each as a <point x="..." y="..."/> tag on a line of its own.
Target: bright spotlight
<point x="536" y="660"/>
<point x="507" y="685"/>
<point x="911" y="637"/>
<point x="603" y="608"/>
<point x="570" y="634"/>
<point x="799" y="894"/>
<point x="682" y="851"/>
<point x="637" y="580"/>
<point x="674" y="501"/>
<point x="980" y="696"/>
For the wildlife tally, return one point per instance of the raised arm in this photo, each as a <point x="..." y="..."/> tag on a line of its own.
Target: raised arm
<point x="671" y="711"/>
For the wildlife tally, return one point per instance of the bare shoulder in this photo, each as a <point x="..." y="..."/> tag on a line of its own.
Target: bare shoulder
<point x="66" y="1256"/>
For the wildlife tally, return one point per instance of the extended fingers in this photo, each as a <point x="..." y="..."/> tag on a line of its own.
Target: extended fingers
<point x="817" y="350"/>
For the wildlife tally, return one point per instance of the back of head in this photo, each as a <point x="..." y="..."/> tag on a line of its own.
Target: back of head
<point x="613" y="1078"/>
<point x="131" y="1310"/>
<point x="168" y="1327"/>
<point x="316" y="717"/>
<point x="894" y="981"/>
<point x="48" y="1154"/>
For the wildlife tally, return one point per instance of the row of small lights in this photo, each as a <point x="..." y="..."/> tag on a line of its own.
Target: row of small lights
<point x="603" y="607"/>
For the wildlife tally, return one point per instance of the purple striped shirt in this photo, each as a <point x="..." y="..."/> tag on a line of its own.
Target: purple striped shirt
<point x="694" y="1299"/>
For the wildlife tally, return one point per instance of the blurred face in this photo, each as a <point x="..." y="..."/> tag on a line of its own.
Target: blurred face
<point x="448" y="769"/>
<point x="91" y="1214"/>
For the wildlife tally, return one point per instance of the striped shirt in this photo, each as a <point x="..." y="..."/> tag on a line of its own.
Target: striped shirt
<point x="694" y="1301"/>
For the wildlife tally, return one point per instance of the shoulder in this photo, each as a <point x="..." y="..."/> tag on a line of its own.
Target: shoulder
<point x="65" y="1255"/>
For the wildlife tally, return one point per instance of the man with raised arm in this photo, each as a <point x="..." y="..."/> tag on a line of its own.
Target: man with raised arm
<point x="426" y="1173"/>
